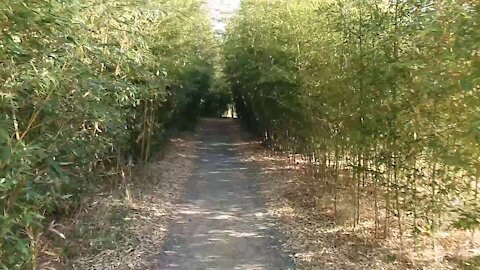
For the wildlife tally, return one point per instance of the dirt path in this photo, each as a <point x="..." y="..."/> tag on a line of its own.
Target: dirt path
<point x="223" y="222"/>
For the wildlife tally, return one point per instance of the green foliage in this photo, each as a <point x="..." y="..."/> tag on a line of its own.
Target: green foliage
<point x="86" y="86"/>
<point x="387" y="90"/>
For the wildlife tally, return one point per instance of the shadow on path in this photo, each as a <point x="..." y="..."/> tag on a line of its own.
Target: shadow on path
<point x="223" y="222"/>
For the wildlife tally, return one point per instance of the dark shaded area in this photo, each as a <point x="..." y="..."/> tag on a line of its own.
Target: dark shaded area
<point x="216" y="103"/>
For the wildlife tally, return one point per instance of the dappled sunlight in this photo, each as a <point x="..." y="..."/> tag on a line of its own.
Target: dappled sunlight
<point x="257" y="267"/>
<point x="225" y="217"/>
<point x="234" y="212"/>
<point x="232" y="144"/>
<point x="223" y="224"/>
<point x="372" y="109"/>
<point x="229" y="170"/>
<point x="233" y="233"/>
<point x="324" y="239"/>
<point x="131" y="227"/>
<point x="188" y="156"/>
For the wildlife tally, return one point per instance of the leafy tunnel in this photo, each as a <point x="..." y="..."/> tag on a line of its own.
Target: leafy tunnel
<point x="381" y="98"/>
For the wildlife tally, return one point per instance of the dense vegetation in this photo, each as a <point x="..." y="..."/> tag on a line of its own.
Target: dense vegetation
<point x="383" y="97"/>
<point x="88" y="87"/>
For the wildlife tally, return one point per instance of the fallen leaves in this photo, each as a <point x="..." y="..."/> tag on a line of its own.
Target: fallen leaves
<point x="313" y="236"/>
<point x="128" y="233"/>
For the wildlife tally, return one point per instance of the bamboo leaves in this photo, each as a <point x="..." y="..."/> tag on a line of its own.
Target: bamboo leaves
<point x="385" y="87"/>
<point x="85" y="85"/>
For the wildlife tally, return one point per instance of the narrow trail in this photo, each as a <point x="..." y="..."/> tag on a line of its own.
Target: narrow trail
<point x="222" y="223"/>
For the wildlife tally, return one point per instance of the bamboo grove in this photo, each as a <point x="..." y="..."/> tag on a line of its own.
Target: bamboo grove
<point x="88" y="87"/>
<point x="383" y="97"/>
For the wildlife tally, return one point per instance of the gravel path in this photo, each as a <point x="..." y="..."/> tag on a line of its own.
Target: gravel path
<point x="223" y="222"/>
